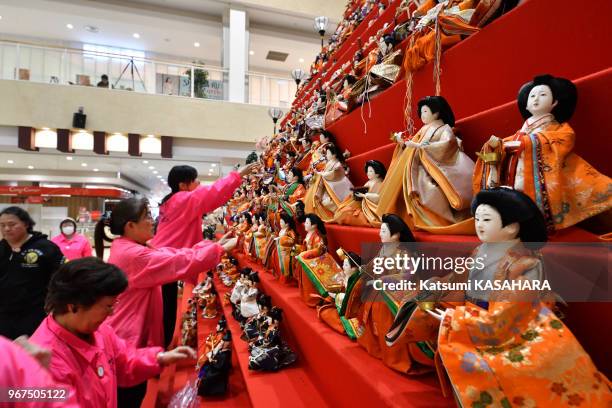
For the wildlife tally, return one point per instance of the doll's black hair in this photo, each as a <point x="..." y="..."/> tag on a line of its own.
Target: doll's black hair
<point x="438" y="105"/>
<point x="378" y="167"/>
<point x="398" y="226"/>
<point x="300" y="211"/>
<point x="276" y="313"/>
<point x="328" y="135"/>
<point x="563" y="90"/>
<point x="288" y="220"/>
<point x="297" y="172"/>
<point x="515" y="206"/>
<point x="314" y="219"/>
<point x="354" y="259"/>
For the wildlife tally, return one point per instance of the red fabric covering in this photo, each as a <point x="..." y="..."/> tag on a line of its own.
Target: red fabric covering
<point x="342" y="370"/>
<point x="290" y="387"/>
<point x="510" y="48"/>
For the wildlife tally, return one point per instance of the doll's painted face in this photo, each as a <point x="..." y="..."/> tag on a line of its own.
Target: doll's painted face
<point x="282" y="223"/>
<point x="309" y="226"/>
<point x="427" y="116"/>
<point x="540" y="100"/>
<point x="385" y="234"/>
<point x="323" y="138"/>
<point x="292" y="177"/>
<point x="489" y="227"/>
<point x="305" y="143"/>
<point x="347" y="267"/>
<point x="330" y="155"/>
<point x="371" y="173"/>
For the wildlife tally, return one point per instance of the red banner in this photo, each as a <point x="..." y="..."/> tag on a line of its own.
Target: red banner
<point x="52" y="191"/>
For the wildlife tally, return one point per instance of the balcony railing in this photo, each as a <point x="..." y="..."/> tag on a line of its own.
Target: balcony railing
<point x="69" y="66"/>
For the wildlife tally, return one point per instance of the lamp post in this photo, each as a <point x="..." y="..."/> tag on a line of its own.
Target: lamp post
<point x="275" y="114"/>
<point x="320" y="24"/>
<point x="297" y="75"/>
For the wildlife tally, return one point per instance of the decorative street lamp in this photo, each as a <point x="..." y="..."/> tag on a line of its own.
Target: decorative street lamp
<point x="298" y="74"/>
<point x="275" y="114"/>
<point x="320" y="24"/>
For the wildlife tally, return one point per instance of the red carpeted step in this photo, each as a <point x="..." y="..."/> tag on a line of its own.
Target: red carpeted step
<point x="537" y="37"/>
<point x="341" y="369"/>
<point x="589" y="122"/>
<point x="290" y="387"/>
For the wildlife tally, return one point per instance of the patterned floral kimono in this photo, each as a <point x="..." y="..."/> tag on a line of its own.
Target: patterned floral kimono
<point x="282" y="254"/>
<point x="565" y="187"/>
<point x="430" y="187"/>
<point x="316" y="269"/>
<point x="369" y="314"/>
<point x="327" y="192"/>
<point x="514" y="352"/>
<point x="360" y="212"/>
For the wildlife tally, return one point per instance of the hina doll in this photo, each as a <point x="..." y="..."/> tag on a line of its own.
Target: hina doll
<point x="212" y="341"/>
<point x="258" y="324"/>
<point x="304" y="158"/>
<point x="249" y="236"/>
<point x="360" y="208"/>
<point x="329" y="187"/>
<point x="248" y="299"/>
<point x="508" y="348"/>
<point x="316" y="265"/>
<point x="319" y="158"/>
<point x="293" y="191"/>
<point x="243" y="229"/>
<point x="260" y="238"/>
<point x="213" y="377"/>
<point x="269" y="352"/>
<point x="239" y="287"/>
<point x="283" y="249"/>
<point x="370" y="313"/>
<point x="429" y="182"/>
<point x="539" y="159"/>
<point x="331" y="311"/>
<point x="210" y="305"/>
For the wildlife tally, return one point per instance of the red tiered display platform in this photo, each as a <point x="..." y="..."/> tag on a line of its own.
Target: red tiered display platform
<point x="344" y="373"/>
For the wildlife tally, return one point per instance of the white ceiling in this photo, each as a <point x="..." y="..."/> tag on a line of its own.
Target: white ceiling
<point x="163" y="33"/>
<point x="48" y="165"/>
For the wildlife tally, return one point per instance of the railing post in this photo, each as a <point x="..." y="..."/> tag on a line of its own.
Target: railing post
<point x="192" y="82"/>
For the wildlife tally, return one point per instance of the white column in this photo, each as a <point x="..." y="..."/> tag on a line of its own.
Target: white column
<point x="235" y="53"/>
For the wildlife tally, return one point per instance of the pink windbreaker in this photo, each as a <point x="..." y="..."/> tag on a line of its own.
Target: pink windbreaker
<point x="75" y="248"/>
<point x="180" y="218"/>
<point x="95" y="370"/>
<point x="138" y="315"/>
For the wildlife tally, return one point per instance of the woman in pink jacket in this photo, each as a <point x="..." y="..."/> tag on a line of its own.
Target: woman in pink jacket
<point x="180" y="220"/>
<point x="138" y="315"/>
<point x="87" y="355"/>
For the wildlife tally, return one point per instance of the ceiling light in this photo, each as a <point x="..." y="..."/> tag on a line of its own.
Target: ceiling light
<point x="96" y="170"/>
<point x="213" y="165"/>
<point x="158" y="177"/>
<point x="68" y="157"/>
<point x="10" y="161"/>
<point x="136" y="35"/>
<point x="31" y="167"/>
<point x="151" y="168"/>
<point x="83" y="164"/>
<point x="145" y="162"/>
<point x="196" y="44"/>
<point x="150" y="135"/>
<point x="46" y="129"/>
<point x="251" y="52"/>
<point x="155" y="171"/>
<point x="301" y="59"/>
<point x="69" y="26"/>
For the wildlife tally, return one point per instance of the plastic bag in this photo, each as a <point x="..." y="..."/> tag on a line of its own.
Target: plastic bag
<point x="186" y="397"/>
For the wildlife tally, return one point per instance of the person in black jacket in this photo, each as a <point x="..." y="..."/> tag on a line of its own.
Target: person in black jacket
<point x="27" y="261"/>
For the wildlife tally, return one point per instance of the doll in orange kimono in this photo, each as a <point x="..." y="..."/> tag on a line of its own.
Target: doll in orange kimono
<point x="242" y="228"/>
<point x="260" y="238"/>
<point x="539" y="159"/>
<point x="359" y="209"/>
<point x="316" y="266"/>
<point x="329" y="188"/>
<point x="371" y="312"/>
<point x="293" y="191"/>
<point x="212" y="341"/>
<point x="283" y="250"/>
<point x="304" y="158"/>
<point x="507" y="348"/>
<point x="318" y="157"/>
<point x="429" y="182"/>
